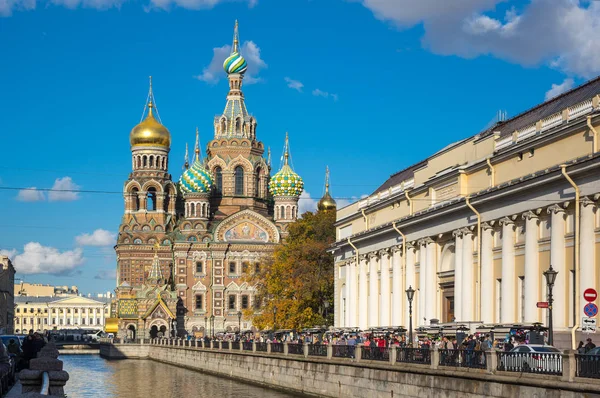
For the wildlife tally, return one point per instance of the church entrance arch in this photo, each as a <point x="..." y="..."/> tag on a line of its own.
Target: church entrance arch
<point x="131" y="332"/>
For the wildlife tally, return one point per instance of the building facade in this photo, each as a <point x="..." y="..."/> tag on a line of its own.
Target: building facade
<point x="56" y="313"/>
<point x="184" y="247"/>
<point x="473" y="227"/>
<point x="40" y="290"/>
<point x="7" y="303"/>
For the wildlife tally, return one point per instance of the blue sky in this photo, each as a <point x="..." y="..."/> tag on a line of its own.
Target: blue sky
<point x="367" y="87"/>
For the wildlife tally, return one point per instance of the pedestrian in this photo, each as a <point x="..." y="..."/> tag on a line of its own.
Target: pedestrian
<point x="589" y="345"/>
<point x="580" y="348"/>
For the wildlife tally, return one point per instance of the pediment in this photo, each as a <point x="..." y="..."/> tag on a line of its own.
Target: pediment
<point x="247" y="226"/>
<point x="76" y="300"/>
<point x="199" y="286"/>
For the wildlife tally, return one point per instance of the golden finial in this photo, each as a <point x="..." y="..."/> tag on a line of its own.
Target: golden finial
<point x="197" y="149"/>
<point x="186" y="162"/>
<point x="286" y="153"/>
<point x="150" y="98"/>
<point x="236" y="42"/>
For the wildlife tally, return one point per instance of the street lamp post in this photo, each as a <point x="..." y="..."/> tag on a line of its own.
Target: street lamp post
<point x="205" y="326"/>
<point x="326" y="305"/>
<point x="212" y="326"/>
<point x="550" y="276"/>
<point x="274" y="317"/>
<point x="239" y="314"/>
<point x="410" y="294"/>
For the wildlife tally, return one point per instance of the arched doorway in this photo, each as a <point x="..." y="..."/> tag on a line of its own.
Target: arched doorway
<point x="153" y="332"/>
<point x="162" y="331"/>
<point x="131" y="332"/>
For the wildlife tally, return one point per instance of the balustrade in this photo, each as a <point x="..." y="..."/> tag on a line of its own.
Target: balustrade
<point x="317" y="350"/>
<point x="588" y="366"/>
<point x="296" y="349"/>
<point x="343" y="351"/>
<point x="462" y="358"/>
<point x="413" y="355"/>
<point x="373" y="353"/>
<point x="530" y="362"/>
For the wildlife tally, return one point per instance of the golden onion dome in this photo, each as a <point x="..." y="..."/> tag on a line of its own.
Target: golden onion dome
<point x="326" y="203"/>
<point x="150" y="132"/>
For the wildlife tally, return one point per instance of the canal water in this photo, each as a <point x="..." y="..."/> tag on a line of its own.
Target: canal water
<point x="92" y="376"/>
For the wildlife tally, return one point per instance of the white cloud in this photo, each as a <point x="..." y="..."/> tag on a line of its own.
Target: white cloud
<point x="214" y="71"/>
<point x="62" y="190"/>
<point x="560" y="33"/>
<point x="31" y="194"/>
<point x="99" y="237"/>
<point x="558" y="89"/>
<point x="9" y="253"/>
<point x="106" y="274"/>
<point x="8" y="6"/>
<point x="38" y="259"/>
<point x="294" y="84"/>
<point x="306" y="203"/>
<point x="324" y="94"/>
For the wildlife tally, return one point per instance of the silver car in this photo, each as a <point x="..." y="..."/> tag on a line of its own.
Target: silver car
<point x="532" y="358"/>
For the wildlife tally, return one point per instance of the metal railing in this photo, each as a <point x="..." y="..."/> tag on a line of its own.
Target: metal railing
<point x="235" y="345"/>
<point x="413" y="355"/>
<point x="588" y="366"/>
<point x="296" y="349"/>
<point x="343" y="351"/>
<point x="530" y="362"/>
<point x="374" y="353"/>
<point x="277" y="347"/>
<point x="262" y="347"/>
<point x="247" y="346"/>
<point x="317" y="350"/>
<point x="224" y="345"/>
<point x="462" y="358"/>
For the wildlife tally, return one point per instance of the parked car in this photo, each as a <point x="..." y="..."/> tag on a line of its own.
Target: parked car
<point x="6" y="339"/>
<point x="593" y="351"/>
<point x="533" y="358"/>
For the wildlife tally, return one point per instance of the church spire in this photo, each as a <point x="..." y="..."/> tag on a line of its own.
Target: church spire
<point x="155" y="277"/>
<point x="327" y="203"/>
<point x="186" y="160"/>
<point x="197" y="147"/>
<point x="286" y="150"/>
<point x="236" y="40"/>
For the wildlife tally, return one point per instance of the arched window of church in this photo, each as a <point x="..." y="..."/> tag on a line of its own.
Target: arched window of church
<point x="257" y="192"/>
<point x="223" y="126"/>
<point x="219" y="179"/>
<point x="239" y="180"/>
<point x="135" y="199"/>
<point x="151" y="161"/>
<point x="151" y="199"/>
<point x="145" y="161"/>
<point x="238" y="127"/>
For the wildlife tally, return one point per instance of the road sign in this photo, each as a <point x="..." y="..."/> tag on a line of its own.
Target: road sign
<point x="590" y="295"/>
<point x="590" y="310"/>
<point x="542" y="304"/>
<point x="588" y="325"/>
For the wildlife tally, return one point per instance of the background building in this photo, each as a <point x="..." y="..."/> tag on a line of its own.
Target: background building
<point x="473" y="227"/>
<point x="7" y="280"/>
<point x="183" y="248"/>
<point x="48" y="313"/>
<point x="39" y="290"/>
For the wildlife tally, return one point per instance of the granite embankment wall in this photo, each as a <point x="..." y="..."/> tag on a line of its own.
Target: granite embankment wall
<point x="322" y="377"/>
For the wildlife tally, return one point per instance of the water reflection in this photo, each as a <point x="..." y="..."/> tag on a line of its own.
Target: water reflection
<point x="92" y="376"/>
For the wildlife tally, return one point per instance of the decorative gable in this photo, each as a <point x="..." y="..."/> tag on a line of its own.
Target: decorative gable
<point x="247" y="226"/>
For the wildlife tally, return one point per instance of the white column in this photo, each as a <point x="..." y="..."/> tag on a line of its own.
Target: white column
<point x="94" y="313"/>
<point x="56" y="317"/>
<point x="386" y="292"/>
<point x="362" y="294"/>
<point x="532" y="267"/>
<point x="64" y="310"/>
<point x="399" y="293"/>
<point x="587" y="245"/>
<point x="487" y="274"/>
<point x="79" y="310"/>
<point x="410" y="282"/>
<point x="458" y="274"/>
<point x="431" y="307"/>
<point x="422" y="282"/>
<point x="373" y="310"/>
<point x="557" y="259"/>
<point x="508" y="271"/>
<point x="468" y="301"/>
<point x="87" y="316"/>
<point x="345" y="310"/>
<point x="102" y="316"/>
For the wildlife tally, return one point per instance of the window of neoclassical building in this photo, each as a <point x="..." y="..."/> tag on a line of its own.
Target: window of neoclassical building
<point x="239" y="180"/>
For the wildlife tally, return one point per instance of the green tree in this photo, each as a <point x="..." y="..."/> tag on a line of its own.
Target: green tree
<point x="298" y="280"/>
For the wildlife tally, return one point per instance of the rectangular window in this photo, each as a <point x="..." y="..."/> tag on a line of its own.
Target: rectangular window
<point x="199" y="267"/>
<point x="199" y="302"/>
<point x="245" y="267"/>
<point x="68" y="321"/>
<point x="232" y="302"/>
<point x="244" y="302"/>
<point x="232" y="267"/>
<point x="18" y="310"/>
<point x="24" y="321"/>
<point x="83" y="321"/>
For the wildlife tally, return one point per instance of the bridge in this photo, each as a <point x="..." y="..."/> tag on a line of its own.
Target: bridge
<point x="359" y="371"/>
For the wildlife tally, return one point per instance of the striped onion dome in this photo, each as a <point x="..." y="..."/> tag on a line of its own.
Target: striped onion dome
<point x="235" y="63"/>
<point x="196" y="179"/>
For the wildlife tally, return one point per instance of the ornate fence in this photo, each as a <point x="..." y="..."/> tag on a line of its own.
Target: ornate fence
<point x="530" y="362"/>
<point x="317" y="350"/>
<point x="343" y="351"/>
<point x="297" y="349"/>
<point x="588" y="366"/>
<point x="413" y="355"/>
<point x="463" y="358"/>
<point x="372" y="353"/>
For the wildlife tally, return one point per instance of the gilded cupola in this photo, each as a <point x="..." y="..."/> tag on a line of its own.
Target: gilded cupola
<point x="150" y="132"/>
<point x="327" y="203"/>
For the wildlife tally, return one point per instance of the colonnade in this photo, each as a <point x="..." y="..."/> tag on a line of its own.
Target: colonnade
<point x="374" y="287"/>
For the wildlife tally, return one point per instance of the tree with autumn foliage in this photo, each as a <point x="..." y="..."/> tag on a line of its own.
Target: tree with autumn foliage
<point x="298" y="280"/>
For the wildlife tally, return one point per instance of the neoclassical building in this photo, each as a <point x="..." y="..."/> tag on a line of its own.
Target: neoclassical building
<point x="7" y="300"/>
<point x="473" y="227"/>
<point x="185" y="245"/>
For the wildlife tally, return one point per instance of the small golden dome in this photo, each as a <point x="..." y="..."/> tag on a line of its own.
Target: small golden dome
<point x="326" y="203"/>
<point x="150" y="132"/>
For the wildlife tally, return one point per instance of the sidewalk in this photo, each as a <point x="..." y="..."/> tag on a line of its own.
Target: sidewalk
<point x="15" y="391"/>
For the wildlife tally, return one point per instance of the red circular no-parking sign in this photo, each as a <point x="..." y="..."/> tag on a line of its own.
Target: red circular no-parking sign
<point x="590" y="295"/>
